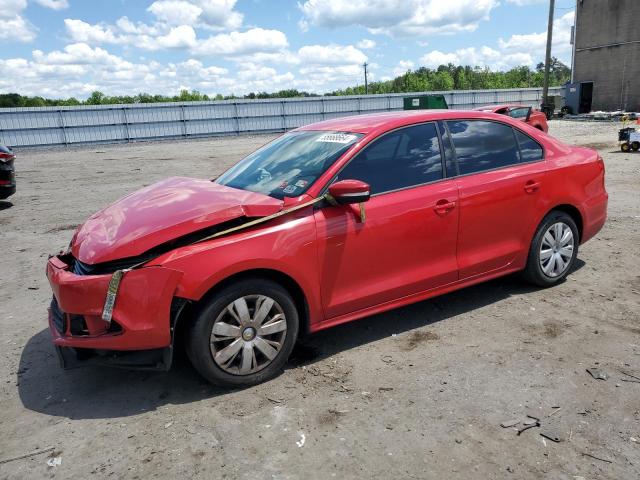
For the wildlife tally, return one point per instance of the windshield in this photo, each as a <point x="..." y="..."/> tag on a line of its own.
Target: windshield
<point x="289" y="165"/>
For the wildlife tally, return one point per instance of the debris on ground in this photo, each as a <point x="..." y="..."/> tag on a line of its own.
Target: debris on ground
<point x="54" y="461"/>
<point x="528" y="424"/>
<point x="509" y="423"/>
<point x="553" y="436"/>
<point x="634" y="377"/>
<point x="597" y="373"/>
<point x="597" y="458"/>
<point x="27" y="455"/>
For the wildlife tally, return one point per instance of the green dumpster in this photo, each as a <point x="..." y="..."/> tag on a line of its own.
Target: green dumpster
<point x="421" y="102"/>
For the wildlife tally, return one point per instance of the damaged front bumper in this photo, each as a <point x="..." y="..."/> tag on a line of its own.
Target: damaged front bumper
<point x="140" y="333"/>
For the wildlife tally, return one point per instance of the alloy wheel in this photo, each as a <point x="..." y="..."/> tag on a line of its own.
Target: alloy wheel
<point x="556" y="249"/>
<point x="248" y="334"/>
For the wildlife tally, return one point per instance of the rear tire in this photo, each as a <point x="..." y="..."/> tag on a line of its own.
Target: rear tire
<point x="244" y="334"/>
<point x="625" y="147"/>
<point x="553" y="250"/>
<point x="635" y="146"/>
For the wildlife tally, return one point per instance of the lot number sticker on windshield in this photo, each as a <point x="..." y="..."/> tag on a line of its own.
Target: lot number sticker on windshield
<point x="336" y="138"/>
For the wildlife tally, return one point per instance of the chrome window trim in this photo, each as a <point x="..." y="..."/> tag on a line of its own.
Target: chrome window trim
<point x="442" y="153"/>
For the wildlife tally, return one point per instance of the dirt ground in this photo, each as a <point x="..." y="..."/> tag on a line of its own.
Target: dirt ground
<point x="419" y="392"/>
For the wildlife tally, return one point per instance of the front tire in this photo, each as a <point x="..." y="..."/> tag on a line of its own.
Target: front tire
<point x="553" y="250"/>
<point x="244" y="335"/>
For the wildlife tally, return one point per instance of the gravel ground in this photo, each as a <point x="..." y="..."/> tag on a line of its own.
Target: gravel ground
<point x="419" y="392"/>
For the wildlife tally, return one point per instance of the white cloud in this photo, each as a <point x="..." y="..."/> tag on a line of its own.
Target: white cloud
<point x="517" y="50"/>
<point x="80" y="31"/>
<point x="175" y="12"/>
<point x="326" y="67"/>
<point x="79" y="69"/>
<point x="75" y="71"/>
<point x="331" y="55"/>
<point x="240" y="43"/>
<point x="13" y="26"/>
<point x="366" y="44"/>
<point x="183" y="36"/>
<point x="436" y="58"/>
<point x="17" y="28"/>
<point x="482" y="57"/>
<point x="535" y="43"/>
<point x="400" y="17"/>
<point x="402" y="67"/>
<point x="54" y="4"/>
<point x="216" y="14"/>
<point x="161" y="36"/>
<point x="77" y="54"/>
<point x="10" y="8"/>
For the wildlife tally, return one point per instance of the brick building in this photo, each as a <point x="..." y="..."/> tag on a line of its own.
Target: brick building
<point x="606" y="52"/>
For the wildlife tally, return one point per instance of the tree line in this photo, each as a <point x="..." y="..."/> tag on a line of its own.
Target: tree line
<point x="445" y="77"/>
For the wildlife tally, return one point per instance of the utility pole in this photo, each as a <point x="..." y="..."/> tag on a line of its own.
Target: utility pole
<point x="547" y="59"/>
<point x="366" y="83"/>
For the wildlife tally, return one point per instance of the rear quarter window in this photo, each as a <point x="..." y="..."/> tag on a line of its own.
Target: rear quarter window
<point x="530" y="150"/>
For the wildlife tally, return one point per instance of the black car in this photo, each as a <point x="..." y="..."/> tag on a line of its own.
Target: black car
<point x="7" y="172"/>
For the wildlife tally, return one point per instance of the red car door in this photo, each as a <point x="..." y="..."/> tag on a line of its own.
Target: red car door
<point x="407" y="244"/>
<point x="501" y="182"/>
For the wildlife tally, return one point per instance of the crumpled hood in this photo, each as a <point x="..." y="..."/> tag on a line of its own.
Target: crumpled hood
<point x="162" y="212"/>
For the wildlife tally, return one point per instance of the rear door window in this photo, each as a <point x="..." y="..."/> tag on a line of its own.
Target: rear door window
<point x="530" y="150"/>
<point x="482" y="145"/>
<point x="519" y="113"/>
<point x="400" y="159"/>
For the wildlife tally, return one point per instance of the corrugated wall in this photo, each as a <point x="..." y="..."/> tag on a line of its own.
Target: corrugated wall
<point x="21" y="127"/>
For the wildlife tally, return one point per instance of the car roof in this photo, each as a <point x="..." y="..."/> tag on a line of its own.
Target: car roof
<point x="380" y="122"/>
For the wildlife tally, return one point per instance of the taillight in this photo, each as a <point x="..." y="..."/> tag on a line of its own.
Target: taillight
<point x="5" y="182"/>
<point x="602" y="167"/>
<point x="6" y="157"/>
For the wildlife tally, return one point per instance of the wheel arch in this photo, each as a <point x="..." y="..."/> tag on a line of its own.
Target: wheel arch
<point x="574" y="213"/>
<point x="276" y="276"/>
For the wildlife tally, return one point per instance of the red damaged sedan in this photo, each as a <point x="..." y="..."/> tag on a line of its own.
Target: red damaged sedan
<point x="326" y="224"/>
<point x="529" y="115"/>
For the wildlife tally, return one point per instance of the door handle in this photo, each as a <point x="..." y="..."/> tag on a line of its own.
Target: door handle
<point x="531" y="186"/>
<point x="443" y="207"/>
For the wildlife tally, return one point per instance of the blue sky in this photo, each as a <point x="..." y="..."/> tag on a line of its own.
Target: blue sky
<point x="60" y="48"/>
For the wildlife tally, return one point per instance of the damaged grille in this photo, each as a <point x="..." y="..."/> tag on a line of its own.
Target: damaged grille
<point x="81" y="268"/>
<point x="58" y="316"/>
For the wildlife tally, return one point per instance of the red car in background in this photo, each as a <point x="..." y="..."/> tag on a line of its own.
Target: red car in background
<point x="533" y="117"/>
<point x="326" y="224"/>
<point x="7" y="172"/>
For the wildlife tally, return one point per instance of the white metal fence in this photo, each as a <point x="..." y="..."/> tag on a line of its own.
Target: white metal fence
<point x="41" y="126"/>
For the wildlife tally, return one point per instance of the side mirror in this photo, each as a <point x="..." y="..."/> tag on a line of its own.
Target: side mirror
<point x="346" y="192"/>
<point x="528" y="114"/>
